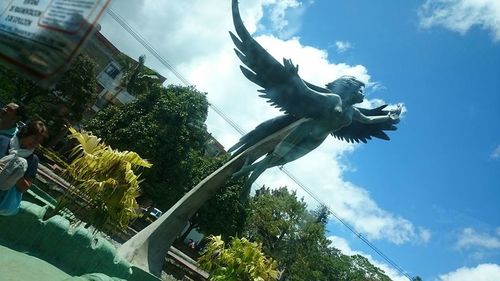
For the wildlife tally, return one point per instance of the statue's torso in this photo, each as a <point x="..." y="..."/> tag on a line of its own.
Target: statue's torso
<point x="338" y="119"/>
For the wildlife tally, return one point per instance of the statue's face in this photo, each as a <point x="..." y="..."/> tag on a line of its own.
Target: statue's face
<point x="358" y="95"/>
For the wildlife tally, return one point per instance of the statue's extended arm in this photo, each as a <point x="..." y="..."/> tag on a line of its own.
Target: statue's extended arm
<point x="391" y="116"/>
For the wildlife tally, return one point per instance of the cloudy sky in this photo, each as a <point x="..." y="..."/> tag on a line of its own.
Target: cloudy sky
<point x="429" y="197"/>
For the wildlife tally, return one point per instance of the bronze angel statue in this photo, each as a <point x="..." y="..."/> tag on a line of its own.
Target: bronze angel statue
<point x="327" y="110"/>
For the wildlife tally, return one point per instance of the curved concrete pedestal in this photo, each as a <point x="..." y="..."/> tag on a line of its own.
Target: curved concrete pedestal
<point x="148" y="248"/>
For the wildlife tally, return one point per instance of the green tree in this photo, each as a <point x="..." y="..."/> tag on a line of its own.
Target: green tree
<point x="224" y="214"/>
<point x="308" y="248"/>
<point x="14" y="86"/>
<point x="63" y="104"/>
<point x="295" y="237"/>
<point x="165" y="126"/>
<point x="274" y="217"/>
<point x="241" y="260"/>
<point x="137" y="78"/>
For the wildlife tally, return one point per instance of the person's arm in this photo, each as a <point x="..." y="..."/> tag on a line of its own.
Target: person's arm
<point x="4" y="148"/>
<point x="23" y="184"/>
<point x="360" y="117"/>
<point x="4" y="145"/>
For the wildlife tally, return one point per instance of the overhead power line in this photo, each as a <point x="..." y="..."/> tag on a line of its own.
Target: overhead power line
<point x="348" y="226"/>
<point x="228" y="119"/>
<point x="121" y="21"/>
<point x="136" y="35"/>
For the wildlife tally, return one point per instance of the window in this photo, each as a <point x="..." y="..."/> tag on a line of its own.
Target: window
<point x="112" y="71"/>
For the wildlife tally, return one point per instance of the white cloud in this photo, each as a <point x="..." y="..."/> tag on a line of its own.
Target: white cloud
<point x="462" y="15"/>
<point x="343" y="246"/>
<point x="425" y="235"/>
<point x="482" y="272"/>
<point x="278" y="11"/>
<point x="343" y="46"/>
<point x="193" y="37"/>
<point x="472" y="239"/>
<point x="322" y="171"/>
<point x="376" y="86"/>
<point x="496" y="153"/>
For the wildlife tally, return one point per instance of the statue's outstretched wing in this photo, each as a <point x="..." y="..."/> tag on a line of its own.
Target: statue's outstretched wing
<point x="281" y="84"/>
<point x="358" y="131"/>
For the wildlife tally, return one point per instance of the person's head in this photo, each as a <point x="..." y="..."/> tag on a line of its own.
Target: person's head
<point x="12" y="113"/>
<point x="348" y="88"/>
<point x="32" y="134"/>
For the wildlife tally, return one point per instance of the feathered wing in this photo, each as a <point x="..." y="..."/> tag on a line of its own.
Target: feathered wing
<point x="358" y="131"/>
<point x="281" y="84"/>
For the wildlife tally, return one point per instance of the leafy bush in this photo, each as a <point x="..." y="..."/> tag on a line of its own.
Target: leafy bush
<point x="241" y="260"/>
<point x="104" y="182"/>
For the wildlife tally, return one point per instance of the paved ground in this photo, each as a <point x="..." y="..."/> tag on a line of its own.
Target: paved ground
<point x="16" y="266"/>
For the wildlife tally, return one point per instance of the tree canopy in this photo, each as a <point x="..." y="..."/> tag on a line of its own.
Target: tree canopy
<point x="225" y="213"/>
<point x="296" y="238"/>
<point x="164" y="125"/>
<point x="64" y="103"/>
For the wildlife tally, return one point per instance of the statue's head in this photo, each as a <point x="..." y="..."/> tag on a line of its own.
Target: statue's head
<point x="347" y="87"/>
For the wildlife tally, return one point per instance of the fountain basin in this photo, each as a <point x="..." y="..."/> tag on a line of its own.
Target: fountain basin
<point x="53" y="246"/>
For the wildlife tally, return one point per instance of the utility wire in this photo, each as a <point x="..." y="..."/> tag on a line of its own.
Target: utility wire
<point x="122" y="22"/>
<point x="348" y="226"/>
<point x="228" y="120"/>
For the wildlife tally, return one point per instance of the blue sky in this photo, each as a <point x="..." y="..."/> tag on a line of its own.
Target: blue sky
<point x="429" y="197"/>
<point x="439" y="170"/>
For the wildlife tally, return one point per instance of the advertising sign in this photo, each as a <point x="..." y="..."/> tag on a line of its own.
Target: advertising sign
<point x="40" y="37"/>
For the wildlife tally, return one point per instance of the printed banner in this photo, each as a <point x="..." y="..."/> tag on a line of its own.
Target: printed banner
<point x="40" y="37"/>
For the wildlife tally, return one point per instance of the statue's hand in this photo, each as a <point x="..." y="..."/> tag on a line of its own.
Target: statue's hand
<point x="288" y="64"/>
<point x="394" y="114"/>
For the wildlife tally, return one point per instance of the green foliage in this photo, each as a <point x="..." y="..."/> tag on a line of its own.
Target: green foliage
<point x="241" y="260"/>
<point x="274" y="216"/>
<point x="165" y="126"/>
<point x="52" y="156"/>
<point x="103" y="178"/>
<point x="137" y="78"/>
<point x="14" y="86"/>
<point x="61" y="105"/>
<point x="223" y="214"/>
<point x="295" y="237"/>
